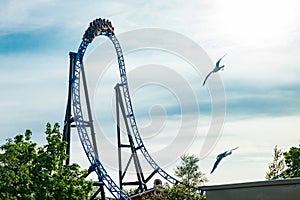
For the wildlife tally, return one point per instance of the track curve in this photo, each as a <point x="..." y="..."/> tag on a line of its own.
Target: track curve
<point x="96" y="28"/>
<point x="131" y="116"/>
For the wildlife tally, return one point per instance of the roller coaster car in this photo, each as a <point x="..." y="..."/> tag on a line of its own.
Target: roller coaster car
<point x="104" y="27"/>
<point x="97" y="23"/>
<point x="91" y="38"/>
<point x="89" y="35"/>
<point x="96" y="27"/>
<point x="98" y="31"/>
<point x="111" y="28"/>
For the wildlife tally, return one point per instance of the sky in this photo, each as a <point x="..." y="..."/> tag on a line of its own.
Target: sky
<point x="259" y="89"/>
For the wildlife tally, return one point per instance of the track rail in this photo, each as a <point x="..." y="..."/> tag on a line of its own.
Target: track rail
<point x="130" y="114"/>
<point x="96" y="28"/>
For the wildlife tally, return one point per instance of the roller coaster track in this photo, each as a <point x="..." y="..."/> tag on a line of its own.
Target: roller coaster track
<point x="96" y="28"/>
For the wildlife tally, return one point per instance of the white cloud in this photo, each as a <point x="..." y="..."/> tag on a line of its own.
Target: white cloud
<point x="33" y="93"/>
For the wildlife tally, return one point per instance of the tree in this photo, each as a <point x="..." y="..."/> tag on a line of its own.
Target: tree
<point x="179" y="191"/>
<point x="292" y="160"/>
<point x="285" y="164"/>
<point x="276" y="167"/>
<point x="188" y="171"/>
<point x="31" y="172"/>
<point x="190" y="179"/>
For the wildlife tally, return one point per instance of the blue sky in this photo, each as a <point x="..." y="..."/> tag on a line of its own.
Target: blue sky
<point x="261" y="76"/>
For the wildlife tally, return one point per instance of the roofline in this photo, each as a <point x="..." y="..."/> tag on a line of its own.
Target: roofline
<point x="144" y="192"/>
<point x="289" y="181"/>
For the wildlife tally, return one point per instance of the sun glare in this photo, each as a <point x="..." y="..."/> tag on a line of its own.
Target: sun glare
<point x="256" y="20"/>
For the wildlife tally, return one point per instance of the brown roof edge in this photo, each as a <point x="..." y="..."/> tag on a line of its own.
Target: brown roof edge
<point x="252" y="184"/>
<point x="143" y="193"/>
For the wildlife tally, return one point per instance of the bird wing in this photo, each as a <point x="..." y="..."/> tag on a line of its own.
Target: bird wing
<point x="234" y="148"/>
<point x="219" y="158"/>
<point x="218" y="63"/>
<point x="206" y="78"/>
<point x="227" y="153"/>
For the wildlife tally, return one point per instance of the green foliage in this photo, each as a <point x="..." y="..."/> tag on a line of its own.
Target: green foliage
<point x="177" y="192"/>
<point x="285" y="164"/>
<point x="292" y="160"/>
<point x="276" y="167"/>
<point x="190" y="176"/>
<point x="188" y="171"/>
<point x="132" y="191"/>
<point x="31" y="172"/>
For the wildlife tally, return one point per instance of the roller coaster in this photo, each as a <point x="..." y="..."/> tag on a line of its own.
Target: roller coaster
<point x="103" y="27"/>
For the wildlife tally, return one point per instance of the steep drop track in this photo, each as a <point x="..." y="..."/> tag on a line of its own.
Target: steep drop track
<point x="105" y="28"/>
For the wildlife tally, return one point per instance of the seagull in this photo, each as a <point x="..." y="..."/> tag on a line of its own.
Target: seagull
<point x="216" y="69"/>
<point x="221" y="156"/>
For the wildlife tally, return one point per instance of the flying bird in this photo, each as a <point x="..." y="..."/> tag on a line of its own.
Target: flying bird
<point x="221" y="156"/>
<point x="216" y="69"/>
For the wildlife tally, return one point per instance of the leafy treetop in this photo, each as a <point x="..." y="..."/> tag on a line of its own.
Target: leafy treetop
<point x="31" y="172"/>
